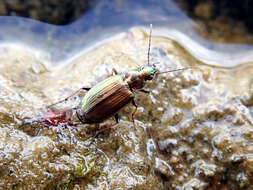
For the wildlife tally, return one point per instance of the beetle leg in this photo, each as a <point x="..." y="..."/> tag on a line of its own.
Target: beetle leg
<point x="116" y="118"/>
<point x="133" y="113"/>
<point x="101" y="131"/>
<point x="144" y="91"/>
<point x="72" y="94"/>
<point x="114" y="71"/>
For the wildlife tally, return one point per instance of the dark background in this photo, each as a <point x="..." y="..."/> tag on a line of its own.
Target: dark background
<point x="61" y="12"/>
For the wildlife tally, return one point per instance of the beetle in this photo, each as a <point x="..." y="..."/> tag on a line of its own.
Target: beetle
<point x="109" y="96"/>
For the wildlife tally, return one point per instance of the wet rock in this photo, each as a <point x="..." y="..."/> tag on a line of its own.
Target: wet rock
<point x="194" y="184"/>
<point x="163" y="168"/>
<point x="192" y="131"/>
<point x="200" y="167"/>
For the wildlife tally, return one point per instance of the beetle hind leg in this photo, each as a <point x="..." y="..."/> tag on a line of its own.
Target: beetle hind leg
<point x="101" y="131"/>
<point x="144" y="91"/>
<point x="133" y="113"/>
<point x="67" y="98"/>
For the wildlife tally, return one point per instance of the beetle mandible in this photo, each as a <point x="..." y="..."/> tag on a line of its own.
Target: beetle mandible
<point x="108" y="97"/>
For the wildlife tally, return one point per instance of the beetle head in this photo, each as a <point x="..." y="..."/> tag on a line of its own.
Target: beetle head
<point x="148" y="72"/>
<point x="136" y="78"/>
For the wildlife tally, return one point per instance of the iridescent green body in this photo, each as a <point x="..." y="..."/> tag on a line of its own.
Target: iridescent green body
<point x="108" y="97"/>
<point x="105" y="99"/>
<point x="98" y="91"/>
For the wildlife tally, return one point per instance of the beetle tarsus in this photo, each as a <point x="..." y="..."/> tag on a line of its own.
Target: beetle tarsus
<point x="144" y="91"/>
<point x="133" y="113"/>
<point x="116" y="118"/>
<point x="114" y="71"/>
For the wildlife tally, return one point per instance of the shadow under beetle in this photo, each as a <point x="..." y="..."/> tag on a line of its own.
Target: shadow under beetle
<point x="108" y="97"/>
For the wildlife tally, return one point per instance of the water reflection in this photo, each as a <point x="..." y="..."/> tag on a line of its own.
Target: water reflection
<point x="61" y="43"/>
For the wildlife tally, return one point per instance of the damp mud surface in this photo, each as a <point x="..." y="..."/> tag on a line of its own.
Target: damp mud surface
<point x="194" y="130"/>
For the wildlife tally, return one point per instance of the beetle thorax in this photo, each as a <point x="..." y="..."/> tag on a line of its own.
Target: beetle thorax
<point x="135" y="80"/>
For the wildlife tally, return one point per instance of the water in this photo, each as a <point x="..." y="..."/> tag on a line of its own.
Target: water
<point x="107" y="18"/>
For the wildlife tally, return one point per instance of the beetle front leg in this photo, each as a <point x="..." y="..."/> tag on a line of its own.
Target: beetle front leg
<point x="144" y="91"/>
<point x="72" y="94"/>
<point x="133" y="113"/>
<point x="114" y="72"/>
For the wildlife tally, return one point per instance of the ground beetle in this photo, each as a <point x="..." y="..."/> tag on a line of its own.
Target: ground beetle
<point x="108" y="97"/>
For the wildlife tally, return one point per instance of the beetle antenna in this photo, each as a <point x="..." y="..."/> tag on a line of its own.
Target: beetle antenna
<point x="149" y="42"/>
<point x="158" y="73"/>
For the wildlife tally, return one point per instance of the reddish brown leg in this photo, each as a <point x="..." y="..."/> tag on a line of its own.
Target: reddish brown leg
<point x="72" y="94"/>
<point x="144" y="91"/>
<point x="133" y="113"/>
<point x="101" y="131"/>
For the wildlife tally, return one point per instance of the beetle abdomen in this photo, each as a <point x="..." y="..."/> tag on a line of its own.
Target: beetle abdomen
<point x="106" y="99"/>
